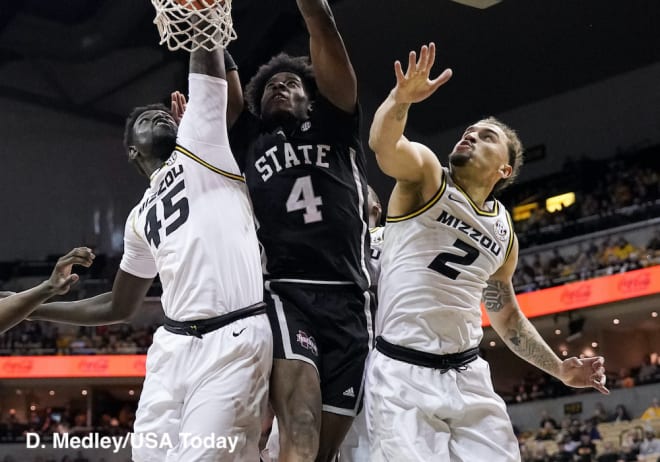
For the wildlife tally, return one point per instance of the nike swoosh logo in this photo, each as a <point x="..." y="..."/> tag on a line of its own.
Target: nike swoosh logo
<point x="236" y="334"/>
<point x="455" y="199"/>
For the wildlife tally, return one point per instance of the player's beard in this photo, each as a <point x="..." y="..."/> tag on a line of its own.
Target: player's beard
<point x="459" y="158"/>
<point x="163" y="145"/>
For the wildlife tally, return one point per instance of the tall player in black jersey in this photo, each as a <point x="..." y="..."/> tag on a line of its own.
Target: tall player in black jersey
<point x="305" y="168"/>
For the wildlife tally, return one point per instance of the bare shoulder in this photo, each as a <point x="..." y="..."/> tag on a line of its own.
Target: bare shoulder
<point x="505" y="272"/>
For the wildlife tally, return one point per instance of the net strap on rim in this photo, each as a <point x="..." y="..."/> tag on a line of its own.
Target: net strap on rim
<point x="188" y="28"/>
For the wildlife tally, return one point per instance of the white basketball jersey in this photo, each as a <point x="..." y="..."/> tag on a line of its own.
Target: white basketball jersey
<point x="194" y="226"/>
<point x="434" y="267"/>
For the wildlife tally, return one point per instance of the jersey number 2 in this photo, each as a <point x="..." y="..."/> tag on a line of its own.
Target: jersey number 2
<point x="302" y="197"/>
<point x="153" y="224"/>
<point x="439" y="263"/>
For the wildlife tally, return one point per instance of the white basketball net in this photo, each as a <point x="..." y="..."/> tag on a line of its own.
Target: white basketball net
<point x="191" y="24"/>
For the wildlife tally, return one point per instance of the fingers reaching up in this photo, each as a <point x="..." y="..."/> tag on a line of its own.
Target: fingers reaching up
<point x="415" y="84"/>
<point x="178" y="105"/>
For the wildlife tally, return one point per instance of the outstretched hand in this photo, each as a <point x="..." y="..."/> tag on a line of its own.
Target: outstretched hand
<point x="415" y="85"/>
<point x="584" y="373"/>
<point x="62" y="278"/>
<point x="178" y="105"/>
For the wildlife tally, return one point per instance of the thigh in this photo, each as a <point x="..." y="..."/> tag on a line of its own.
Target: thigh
<point x="294" y="335"/>
<point x="227" y="394"/>
<point x="344" y="337"/>
<point x="483" y="431"/>
<point x="294" y="383"/>
<point x="399" y="403"/>
<point x="159" y="410"/>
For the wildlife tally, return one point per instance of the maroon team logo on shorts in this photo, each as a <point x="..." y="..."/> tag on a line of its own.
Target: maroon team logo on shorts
<point x="307" y="342"/>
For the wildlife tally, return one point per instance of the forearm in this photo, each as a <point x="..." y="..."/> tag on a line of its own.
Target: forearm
<point x="515" y="329"/>
<point x="207" y="63"/>
<point x="16" y="307"/>
<point x="235" y="103"/>
<point x="524" y="340"/>
<point x="315" y="10"/>
<point x="388" y="125"/>
<point x="93" y="311"/>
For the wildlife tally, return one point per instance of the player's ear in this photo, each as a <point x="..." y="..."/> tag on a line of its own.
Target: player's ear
<point x="506" y="171"/>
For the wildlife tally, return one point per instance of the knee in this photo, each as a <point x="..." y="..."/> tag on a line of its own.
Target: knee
<point x="303" y="422"/>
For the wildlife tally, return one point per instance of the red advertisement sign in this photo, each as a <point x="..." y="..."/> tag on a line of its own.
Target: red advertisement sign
<point x="37" y="367"/>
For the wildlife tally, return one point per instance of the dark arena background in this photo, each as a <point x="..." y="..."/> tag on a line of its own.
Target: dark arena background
<point x="578" y="79"/>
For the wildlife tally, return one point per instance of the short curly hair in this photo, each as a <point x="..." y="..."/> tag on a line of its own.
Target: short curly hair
<point x="133" y="116"/>
<point x="299" y="65"/>
<point x="515" y="150"/>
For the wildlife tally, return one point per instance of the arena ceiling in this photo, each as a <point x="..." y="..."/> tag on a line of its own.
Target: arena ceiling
<point x="98" y="59"/>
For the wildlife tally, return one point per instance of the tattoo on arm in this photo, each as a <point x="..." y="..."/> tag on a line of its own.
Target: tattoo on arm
<point x="520" y="336"/>
<point x="496" y="295"/>
<point x="526" y="342"/>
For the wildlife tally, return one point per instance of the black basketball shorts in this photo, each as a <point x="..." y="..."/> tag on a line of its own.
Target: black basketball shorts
<point x="329" y="327"/>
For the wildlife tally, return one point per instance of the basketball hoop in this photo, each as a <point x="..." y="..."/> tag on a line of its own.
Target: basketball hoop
<point x="193" y="24"/>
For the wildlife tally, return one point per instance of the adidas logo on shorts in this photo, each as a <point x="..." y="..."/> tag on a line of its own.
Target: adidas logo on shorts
<point x="350" y="393"/>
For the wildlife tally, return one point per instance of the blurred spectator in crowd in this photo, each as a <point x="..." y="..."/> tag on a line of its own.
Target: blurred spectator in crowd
<point x="652" y="412"/>
<point x="567" y="447"/>
<point x="547" y="432"/>
<point x="630" y="445"/>
<point x="625" y="379"/>
<point x="545" y="417"/>
<point x="600" y="414"/>
<point x="620" y="414"/>
<point x="650" y="445"/>
<point x="647" y="371"/>
<point x="609" y="453"/>
<point x="591" y="429"/>
<point x="521" y="394"/>
<point x="586" y="450"/>
<point x="539" y="453"/>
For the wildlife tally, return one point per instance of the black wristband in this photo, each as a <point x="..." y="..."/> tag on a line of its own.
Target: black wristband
<point x="230" y="64"/>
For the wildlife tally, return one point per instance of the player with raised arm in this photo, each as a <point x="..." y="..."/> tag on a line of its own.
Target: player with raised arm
<point x="449" y="243"/>
<point x="300" y="150"/>
<point x="208" y="368"/>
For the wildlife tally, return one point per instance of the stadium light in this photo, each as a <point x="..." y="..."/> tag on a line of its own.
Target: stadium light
<point x="481" y="4"/>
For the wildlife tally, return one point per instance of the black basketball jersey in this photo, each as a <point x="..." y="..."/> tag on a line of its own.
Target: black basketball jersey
<point x="309" y="192"/>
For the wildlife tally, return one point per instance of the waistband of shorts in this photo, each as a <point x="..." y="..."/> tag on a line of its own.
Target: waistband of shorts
<point x="457" y="361"/>
<point x="199" y="327"/>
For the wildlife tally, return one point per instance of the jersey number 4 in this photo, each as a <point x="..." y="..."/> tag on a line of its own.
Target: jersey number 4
<point x="302" y="197"/>
<point x="439" y="263"/>
<point x="170" y="207"/>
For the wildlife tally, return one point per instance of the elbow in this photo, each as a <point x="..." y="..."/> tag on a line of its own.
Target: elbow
<point x="373" y="143"/>
<point x="121" y="314"/>
<point x="376" y="143"/>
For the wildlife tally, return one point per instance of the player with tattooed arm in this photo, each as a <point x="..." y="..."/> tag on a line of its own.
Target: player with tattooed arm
<point x="450" y="243"/>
